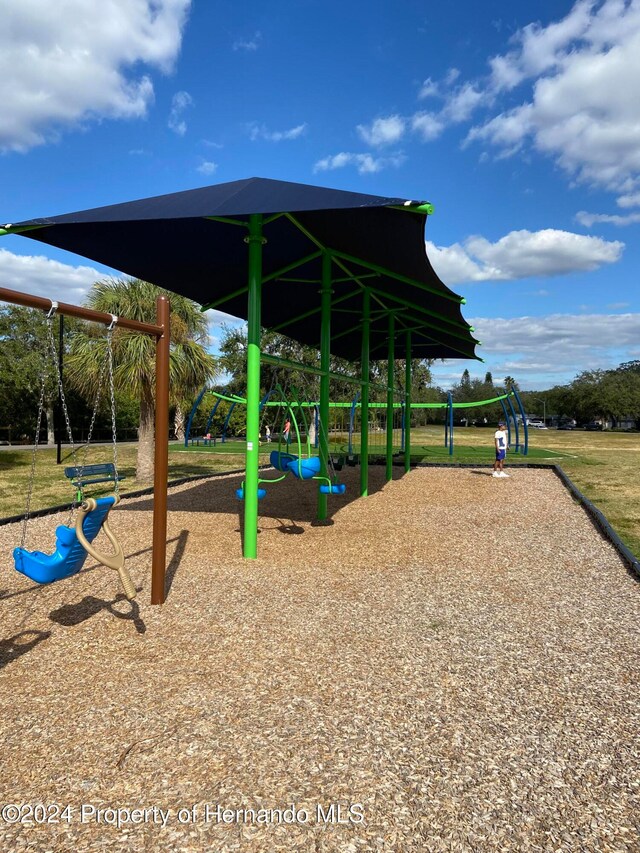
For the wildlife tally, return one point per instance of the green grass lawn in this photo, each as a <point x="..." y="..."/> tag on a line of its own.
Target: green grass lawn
<point x="603" y="465"/>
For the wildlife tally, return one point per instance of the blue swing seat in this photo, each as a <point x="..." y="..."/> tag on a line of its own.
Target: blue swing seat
<point x="240" y="494"/>
<point x="69" y="555"/>
<point x="305" y="469"/>
<point x="334" y="489"/>
<point x="280" y="460"/>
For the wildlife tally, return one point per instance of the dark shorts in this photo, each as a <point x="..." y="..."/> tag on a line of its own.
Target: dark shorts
<point x="500" y="455"/>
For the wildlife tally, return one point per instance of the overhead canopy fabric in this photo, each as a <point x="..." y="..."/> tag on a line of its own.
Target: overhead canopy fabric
<point x="173" y="242"/>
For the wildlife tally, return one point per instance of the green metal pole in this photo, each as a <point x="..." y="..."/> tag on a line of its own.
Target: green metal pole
<point x="390" y="369"/>
<point x="364" y="395"/>
<point x="253" y="388"/>
<point x="325" y="363"/>
<point x="407" y="406"/>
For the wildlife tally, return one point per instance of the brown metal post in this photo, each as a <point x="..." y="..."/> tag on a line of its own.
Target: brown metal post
<point x="161" y="468"/>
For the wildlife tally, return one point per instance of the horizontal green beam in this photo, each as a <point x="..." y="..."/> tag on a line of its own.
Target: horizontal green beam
<point x="228" y="221"/>
<point x="224" y="299"/>
<point x="19" y="229"/>
<point x="313" y="311"/>
<point x="452" y="297"/>
<point x="292" y="266"/>
<point x="427" y="311"/>
<point x="316" y="371"/>
<point x="424" y="207"/>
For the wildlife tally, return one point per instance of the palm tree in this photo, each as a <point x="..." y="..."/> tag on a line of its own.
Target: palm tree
<point x="190" y="366"/>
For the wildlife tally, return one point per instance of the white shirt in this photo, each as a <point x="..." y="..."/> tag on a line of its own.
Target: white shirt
<point x="501" y="436"/>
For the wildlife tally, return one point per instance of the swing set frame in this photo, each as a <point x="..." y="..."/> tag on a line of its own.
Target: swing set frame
<point x="161" y="331"/>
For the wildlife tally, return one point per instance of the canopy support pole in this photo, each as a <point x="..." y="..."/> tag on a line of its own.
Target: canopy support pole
<point x="407" y="405"/>
<point x="364" y="396"/>
<point x="390" y="383"/>
<point x="252" y="460"/>
<point x="325" y="357"/>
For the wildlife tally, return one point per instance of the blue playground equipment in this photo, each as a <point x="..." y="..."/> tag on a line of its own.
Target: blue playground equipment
<point x="303" y="467"/>
<point x="73" y="543"/>
<point x="240" y="493"/>
<point x="69" y="555"/>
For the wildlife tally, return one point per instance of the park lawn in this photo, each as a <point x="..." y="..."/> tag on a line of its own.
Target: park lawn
<point x="51" y="488"/>
<point x="603" y="465"/>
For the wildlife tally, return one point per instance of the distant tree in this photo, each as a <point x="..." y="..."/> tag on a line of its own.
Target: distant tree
<point x="488" y="378"/>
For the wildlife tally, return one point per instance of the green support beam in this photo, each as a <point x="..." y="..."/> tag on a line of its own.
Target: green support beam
<point x="407" y="404"/>
<point x="390" y="370"/>
<point x="420" y="285"/>
<point x="364" y="396"/>
<point x="18" y="229"/>
<point x="255" y="240"/>
<point x="325" y="361"/>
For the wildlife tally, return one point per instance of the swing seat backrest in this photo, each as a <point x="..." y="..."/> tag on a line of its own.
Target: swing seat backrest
<point x="69" y="555"/>
<point x="305" y="469"/>
<point x="280" y="460"/>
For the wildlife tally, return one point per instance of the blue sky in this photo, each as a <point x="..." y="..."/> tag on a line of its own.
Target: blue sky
<point x="520" y="122"/>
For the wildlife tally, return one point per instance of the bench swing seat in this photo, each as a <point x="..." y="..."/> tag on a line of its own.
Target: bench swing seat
<point x="69" y="555"/>
<point x="280" y="460"/>
<point x="240" y="493"/>
<point x="333" y="489"/>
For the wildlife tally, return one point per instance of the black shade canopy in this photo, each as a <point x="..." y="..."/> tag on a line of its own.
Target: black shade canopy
<point x="172" y="241"/>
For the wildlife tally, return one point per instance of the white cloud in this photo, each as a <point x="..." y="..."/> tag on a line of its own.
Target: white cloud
<point x="43" y="277"/>
<point x="521" y="254"/>
<point x="461" y="103"/>
<point x="249" y="45"/>
<point x="558" y="343"/>
<point x="65" y="64"/>
<point x="179" y="103"/>
<point x="584" y="109"/>
<point x="589" y="219"/>
<point x="365" y="163"/>
<point x="207" y="167"/>
<point x="427" y="125"/>
<point x="259" y="131"/>
<point x="383" y="131"/>
<point x="429" y="89"/>
<point x="629" y="200"/>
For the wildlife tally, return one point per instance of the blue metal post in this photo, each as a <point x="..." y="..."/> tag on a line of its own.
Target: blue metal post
<point x="194" y="409"/>
<point x="525" y="425"/>
<point x="207" y="429"/>
<point x="515" y="423"/>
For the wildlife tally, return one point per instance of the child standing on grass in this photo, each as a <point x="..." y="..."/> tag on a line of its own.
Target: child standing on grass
<point x="500" y="439"/>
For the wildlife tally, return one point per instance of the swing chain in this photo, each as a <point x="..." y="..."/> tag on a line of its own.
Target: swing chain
<point x="114" y="320"/>
<point x="43" y="385"/>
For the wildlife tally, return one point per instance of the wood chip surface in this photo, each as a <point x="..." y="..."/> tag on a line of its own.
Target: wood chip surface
<point x="454" y="658"/>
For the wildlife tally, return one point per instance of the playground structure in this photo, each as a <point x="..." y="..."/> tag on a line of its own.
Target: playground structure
<point x="351" y="428"/>
<point x="354" y="268"/>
